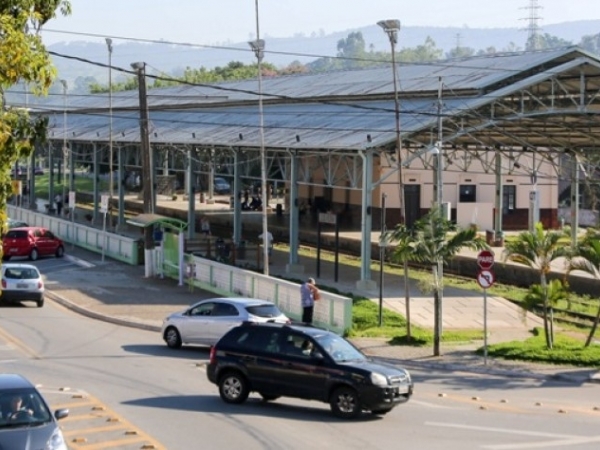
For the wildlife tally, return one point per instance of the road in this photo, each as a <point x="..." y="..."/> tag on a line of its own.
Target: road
<point x="126" y="390"/>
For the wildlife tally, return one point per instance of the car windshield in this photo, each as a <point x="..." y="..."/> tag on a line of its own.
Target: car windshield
<point x="264" y="310"/>
<point x="339" y="349"/>
<point x="19" y="408"/>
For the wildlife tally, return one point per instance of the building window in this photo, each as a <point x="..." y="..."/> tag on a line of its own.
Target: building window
<point x="509" y="199"/>
<point x="467" y="193"/>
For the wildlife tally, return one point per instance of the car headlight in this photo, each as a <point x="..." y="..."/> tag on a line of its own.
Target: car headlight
<point x="56" y="441"/>
<point x="379" y="380"/>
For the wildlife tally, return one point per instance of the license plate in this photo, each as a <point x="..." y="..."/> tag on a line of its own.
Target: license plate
<point x="402" y="389"/>
<point x="13" y="250"/>
<point x="22" y="285"/>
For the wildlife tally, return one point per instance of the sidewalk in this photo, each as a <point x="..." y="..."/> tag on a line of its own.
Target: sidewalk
<point x="120" y="294"/>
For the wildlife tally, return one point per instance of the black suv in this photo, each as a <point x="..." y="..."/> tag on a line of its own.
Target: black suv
<point x="305" y="362"/>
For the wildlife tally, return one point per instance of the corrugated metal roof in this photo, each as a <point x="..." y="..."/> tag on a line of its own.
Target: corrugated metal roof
<point x="319" y="124"/>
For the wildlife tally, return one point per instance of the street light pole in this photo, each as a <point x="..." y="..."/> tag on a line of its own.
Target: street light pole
<point x="110" y="123"/>
<point x="147" y="166"/>
<point x="392" y="28"/>
<point x="258" y="47"/>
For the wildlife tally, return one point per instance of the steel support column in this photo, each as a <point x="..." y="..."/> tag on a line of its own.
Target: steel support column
<point x="574" y="199"/>
<point x="365" y="281"/>
<point x="121" y="189"/>
<point x="498" y="197"/>
<point x="191" y="219"/>
<point x="294" y="216"/>
<point x="237" y="201"/>
<point x="96" y="164"/>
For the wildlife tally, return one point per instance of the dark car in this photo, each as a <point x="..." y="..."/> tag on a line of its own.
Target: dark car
<point x="26" y="421"/>
<point x="32" y="242"/>
<point x="304" y="362"/>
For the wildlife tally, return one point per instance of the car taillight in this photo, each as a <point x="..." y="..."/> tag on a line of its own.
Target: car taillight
<point x="3" y="283"/>
<point x="40" y="285"/>
<point x="212" y="355"/>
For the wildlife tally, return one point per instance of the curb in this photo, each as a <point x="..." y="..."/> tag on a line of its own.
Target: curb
<point x="94" y="315"/>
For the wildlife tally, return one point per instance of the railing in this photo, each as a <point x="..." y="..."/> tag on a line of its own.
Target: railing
<point x="122" y="248"/>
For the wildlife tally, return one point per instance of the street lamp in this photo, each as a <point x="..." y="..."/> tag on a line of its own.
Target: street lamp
<point x="258" y="47"/>
<point x="65" y="149"/>
<point x="110" y="139"/>
<point x="392" y="28"/>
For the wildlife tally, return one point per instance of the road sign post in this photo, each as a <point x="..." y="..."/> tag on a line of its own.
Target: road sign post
<point x="485" y="279"/>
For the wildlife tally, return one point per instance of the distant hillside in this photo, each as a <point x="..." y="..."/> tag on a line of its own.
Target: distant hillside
<point x="282" y="51"/>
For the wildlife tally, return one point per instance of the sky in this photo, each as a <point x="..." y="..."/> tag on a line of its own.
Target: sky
<point x="211" y="22"/>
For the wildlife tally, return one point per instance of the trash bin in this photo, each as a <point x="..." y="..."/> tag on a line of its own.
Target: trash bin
<point x="499" y="241"/>
<point x="241" y="250"/>
<point x="140" y="251"/>
<point x="279" y="210"/>
<point x="489" y="237"/>
<point x="201" y="197"/>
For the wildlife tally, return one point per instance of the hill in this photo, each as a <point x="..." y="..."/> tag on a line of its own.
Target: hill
<point x="171" y="58"/>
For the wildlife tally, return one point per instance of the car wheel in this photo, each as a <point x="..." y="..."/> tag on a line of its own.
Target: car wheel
<point x="60" y="252"/>
<point x="34" y="254"/>
<point x="233" y="388"/>
<point x="381" y="412"/>
<point x="268" y="398"/>
<point x="40" y="303"/>
<point x="344" y="403"/>
<point x="172" y="338"/>
<point x="5" y="258"/>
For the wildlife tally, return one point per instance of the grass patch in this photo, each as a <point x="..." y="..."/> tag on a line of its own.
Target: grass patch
<point x="567" y="350"/>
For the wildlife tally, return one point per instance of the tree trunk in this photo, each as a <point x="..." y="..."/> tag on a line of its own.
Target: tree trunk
<point x="593" y="330"/>
<point x="547" y="333"/>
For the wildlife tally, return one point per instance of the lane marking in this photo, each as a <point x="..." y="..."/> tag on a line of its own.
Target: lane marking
<point x="79" y="261"/>
<point x="20" y="345"/>
<point x="562" y="440"/>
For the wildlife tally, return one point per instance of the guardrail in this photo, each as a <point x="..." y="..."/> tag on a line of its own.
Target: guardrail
<point x="333" y="311"/>
<point x="116" y="246"/>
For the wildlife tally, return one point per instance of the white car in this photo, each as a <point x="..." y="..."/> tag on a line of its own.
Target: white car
<point x="205" y="322"/>
<point x="21" y="282"/>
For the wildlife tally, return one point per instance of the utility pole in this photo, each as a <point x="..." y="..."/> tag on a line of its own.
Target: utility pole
<point x="148" y="194"/>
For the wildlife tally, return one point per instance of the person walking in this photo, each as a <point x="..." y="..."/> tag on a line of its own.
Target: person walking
<point x="59" y="203"/>
<point x="269" y="242"/>
<point x="309" y="293"/>
<point x="205" y="226"/>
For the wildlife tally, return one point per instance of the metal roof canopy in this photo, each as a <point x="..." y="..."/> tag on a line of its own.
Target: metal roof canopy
<point x="148" y="220"/>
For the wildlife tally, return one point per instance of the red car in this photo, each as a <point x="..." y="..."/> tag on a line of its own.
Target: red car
<point x="32" y="242"/>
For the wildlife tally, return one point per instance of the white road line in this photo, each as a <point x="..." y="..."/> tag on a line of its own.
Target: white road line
<point x="79" y="262"/>
<point x="562" y="440"/>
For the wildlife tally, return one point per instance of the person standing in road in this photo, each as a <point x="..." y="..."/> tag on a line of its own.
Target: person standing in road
<point x="309" y="293"/>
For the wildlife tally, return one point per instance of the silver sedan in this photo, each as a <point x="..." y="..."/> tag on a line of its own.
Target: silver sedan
<point x="205" y="322"/>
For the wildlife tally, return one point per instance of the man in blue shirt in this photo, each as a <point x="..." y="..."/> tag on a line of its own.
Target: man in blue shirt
<point x="308" y="291"/>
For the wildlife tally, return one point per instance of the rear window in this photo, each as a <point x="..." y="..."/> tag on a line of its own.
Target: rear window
<point x="265" y="310"/>
<point x="17" y="234"/>
<point x="21" y="273"/>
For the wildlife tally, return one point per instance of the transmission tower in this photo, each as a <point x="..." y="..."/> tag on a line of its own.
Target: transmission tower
<point x="534" y="38"/>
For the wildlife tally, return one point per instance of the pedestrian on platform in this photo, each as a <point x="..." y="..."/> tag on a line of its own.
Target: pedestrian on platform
<point x="309" y="293"/>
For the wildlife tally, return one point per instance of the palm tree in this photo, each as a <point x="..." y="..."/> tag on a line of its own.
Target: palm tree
<point x="587" y="259"/>
<point x="537" y="249"/>
<point x="555" y="291"/>
<point x="434" y="240"/>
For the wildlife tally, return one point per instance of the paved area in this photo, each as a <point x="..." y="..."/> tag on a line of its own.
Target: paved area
<point x="119" y="293"/>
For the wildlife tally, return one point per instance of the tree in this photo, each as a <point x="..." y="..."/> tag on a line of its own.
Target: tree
<point x="434" y="239"/>
<point x="23" y="58"/>
<point x="554" y="292"/>
<point x="352" y="49"/>
<point x="591" y="43"/>
<point x="537" y="249"/>
<point x="586" y="258"/>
